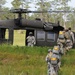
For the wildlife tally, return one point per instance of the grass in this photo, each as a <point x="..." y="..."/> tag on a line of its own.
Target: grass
<point x="68" y="63"/>
<point x="16" y="60"/>
<point x="22" y="60"/>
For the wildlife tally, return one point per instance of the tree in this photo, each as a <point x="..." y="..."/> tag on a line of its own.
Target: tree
<point x="16" y="3"/>
<point x="3" y="14"/>
<point x="60" y="5"/>
<point x="2" y="2"/>
<point x="43" y="5"/>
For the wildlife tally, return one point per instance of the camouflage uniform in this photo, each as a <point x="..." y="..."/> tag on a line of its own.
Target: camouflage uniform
<point x="56" y="54"/>
<point x="48" y="58"/>
<point x="53" y="60"/>
<point x="72" y="35"/>
<point x="48" y="55"/>
<point x="61" y="41"/>
<point x="68" y="40"/>
<point x="31" y="40"/>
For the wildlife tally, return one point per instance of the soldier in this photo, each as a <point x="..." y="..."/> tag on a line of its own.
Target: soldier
<point x="56" y="54"/>
<point x="61" y="41"/>
<point x="53" y="60"/>
<point x="68" y="40"/>
<point x="72" y="35"/>
<point x="31" y="40"/>
<point x="48" y="57"/>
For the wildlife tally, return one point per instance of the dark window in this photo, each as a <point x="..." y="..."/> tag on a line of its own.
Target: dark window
<point x="40" y="35"/>
<point x="50" y="36"/>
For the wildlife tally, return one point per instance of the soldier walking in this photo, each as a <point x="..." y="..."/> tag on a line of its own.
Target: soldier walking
<point x="72" y="35"/>
<point x="68" y="40"/>
<point x="61" y="41"/>
<point x="53" y="60"/>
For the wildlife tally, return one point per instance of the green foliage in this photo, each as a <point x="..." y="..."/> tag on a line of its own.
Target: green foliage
<point x="16" y="3"/>
<point x="68" y="64"/>
<point x="16" y="60"/>
<point x="2" y="2"/>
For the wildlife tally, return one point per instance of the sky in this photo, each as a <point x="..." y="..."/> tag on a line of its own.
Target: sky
<point x="8" y="4"/>
<point x="72" y="3"/>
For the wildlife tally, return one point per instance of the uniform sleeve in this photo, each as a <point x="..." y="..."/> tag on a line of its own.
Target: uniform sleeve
<point x="72" y="34"/>
<point x="27" y="37"/>
<point x="34" y="41"/>
<point x="46" y="59"/>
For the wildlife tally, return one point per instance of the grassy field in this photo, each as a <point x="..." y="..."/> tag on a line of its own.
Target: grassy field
<point x="21" y="60"/>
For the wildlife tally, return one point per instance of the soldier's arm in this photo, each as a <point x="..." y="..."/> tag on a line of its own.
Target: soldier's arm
<point x="47" y="59"/>
<point x="72" y="36"/>
<point x="27" y="37"/>
<point x="34" y="41"/>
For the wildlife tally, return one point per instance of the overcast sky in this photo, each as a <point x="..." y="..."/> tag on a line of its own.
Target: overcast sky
<point x="8" y="4"/>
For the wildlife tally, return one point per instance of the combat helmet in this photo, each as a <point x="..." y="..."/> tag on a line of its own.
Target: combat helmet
<point x="49" y="50"/>
<point x="30" y="33"/>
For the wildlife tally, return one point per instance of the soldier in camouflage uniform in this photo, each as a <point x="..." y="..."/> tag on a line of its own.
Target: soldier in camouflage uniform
<point x="72" y="35"/>
<point x="53" y="60"/>
<point x="51" y="70"/>
<point x="68" y="40"/>
<point x="48" y="57"/>
<point x="57" y="54"/>
<point x="31" y="40"/>
<point x="61" y="41"/>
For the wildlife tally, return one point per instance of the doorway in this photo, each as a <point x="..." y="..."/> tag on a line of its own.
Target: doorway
<point x="27" y="34"/>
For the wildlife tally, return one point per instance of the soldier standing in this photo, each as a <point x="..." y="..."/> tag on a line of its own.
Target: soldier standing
<point x="31" y="40"/>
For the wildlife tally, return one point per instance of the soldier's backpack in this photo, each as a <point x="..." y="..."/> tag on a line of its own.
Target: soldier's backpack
<point x="54" y="61"/>
<point x="56" y="50"/>
<point x="61" y="35"/>
<point x="55" y="55"/>
<point x="67" y="35"/>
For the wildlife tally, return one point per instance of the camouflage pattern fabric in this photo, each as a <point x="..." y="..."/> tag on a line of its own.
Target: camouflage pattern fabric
<point x="31" y="41"/>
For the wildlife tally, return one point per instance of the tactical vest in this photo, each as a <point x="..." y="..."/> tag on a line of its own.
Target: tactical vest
<point x="54" y="59"/>
<point x="55" y="56"/>
<point x="56" y="50"/>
